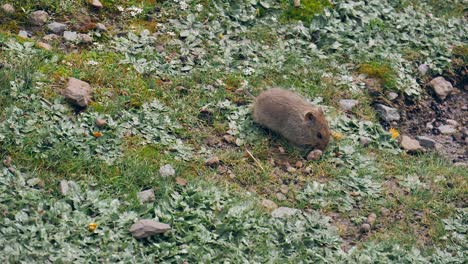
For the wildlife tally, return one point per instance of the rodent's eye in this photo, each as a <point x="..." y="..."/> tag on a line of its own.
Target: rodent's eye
<point x="319" y="135"/>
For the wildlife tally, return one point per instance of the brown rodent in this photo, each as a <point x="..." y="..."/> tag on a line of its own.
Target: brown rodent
<point x="291" y="116"/>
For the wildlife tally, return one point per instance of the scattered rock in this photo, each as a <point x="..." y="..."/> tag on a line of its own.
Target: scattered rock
<point x="147" y="227"/>
<point x="290" y="169"/>
<point x="426" y="142"/>
<point x="452" y="122"/>
<point x="64" y="188"/>
<point x="441" y="87"/>
<point x="284" y="189"/>
<point x="101" y="27"/>
<point x="78" y="92"/>
<point x="409" y="144"/>
<point x="100" y="122"/>
<point x="57" y="28"/>
<point x="364" y="141"/>
<point x="43" y="45"/>
<point x="297" y="3"/>
<point x="314" y="155"/>
<point x="365" y="228"/>
<point x="281" y="150"/>
<point x="51" y="37"/>
<point x="8" y="8"/>
<point x="7" y="161"/>
<point x="447" y="129"/>
<point x="23" y="34"/>
<point x="212" y="162"/>
<point x="181" y="181"/>
<point x="384" y="211"/>
<point x="70" y="36"/>
<point x="166" y="171"/>
<point x="269" y="204"/>
<point x="283" y="212"/>
<point x="229" y="139"/>
<point x="95" y="3"/>
<point x="460" y="164"/>
<point x="371" y="219"/>
<point x="299" y="164"/>
<point x="146" y="196"/>
<point x="389" y="114"/>
<point x="35" y="182"/>
<point x="392" y="96"/>
<point x="348" y="104"/>
<point x="281" y="197"/>
<point x="38" y="18"/>
<point x="84" y="38"/>
<point x="423" y="68"/>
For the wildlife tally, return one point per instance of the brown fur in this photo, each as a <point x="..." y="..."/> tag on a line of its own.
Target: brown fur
<point x="292" y="117"/>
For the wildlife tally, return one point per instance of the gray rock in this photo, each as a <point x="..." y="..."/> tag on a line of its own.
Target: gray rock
<point x="423" y="68"/>
<point x="447" y="129"/>
<point x="51" y="37"/>
<point x="100" y="122"/>
<point x="57" y="28"/>
<point x="64" y="188"/>
<point x="409" y="144"/>
<point x="84" y="38"/>
<point x="35" y="182"/>
<point x="389" y="114"/>
<point x="23" y="34"/>
<point x="166" y="171"/>
<point x="392" y="96"/>
<point x="70" y="36"/>
<point x="442" y="88"/>
<point x="9" y="9"/>
<point x="283" y="212"/>
<point x="269" y="204"/>
<point x="365" y="228"/>
<point x="314" y="154"/>
<point x="95" y="3"/>
<point x="38" y="18"/>
<point x="452" y="122"/>
<point x="348" y="104"/>
<point x="101" y="27"/>
<point x="78" y="92"/>
<point x="426" y="142"/>
<point x="364" y="141"/>
<point x="146" y="196"/>
<point x="281" y="197"/>
<point x="147" y="227"/>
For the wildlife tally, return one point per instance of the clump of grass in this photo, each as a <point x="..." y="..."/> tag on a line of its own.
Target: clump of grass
<point x="381" y="71"/>
<point x="307" y="10"/>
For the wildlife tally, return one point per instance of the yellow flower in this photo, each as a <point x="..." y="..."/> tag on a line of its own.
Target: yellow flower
<point x="337" y="135"/>
<point x="394" y="133"/>
<point x="92" y="227"/>
<point x="97" y="134"/>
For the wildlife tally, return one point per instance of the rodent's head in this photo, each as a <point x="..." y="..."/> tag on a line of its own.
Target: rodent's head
<point x="318" y="132"/>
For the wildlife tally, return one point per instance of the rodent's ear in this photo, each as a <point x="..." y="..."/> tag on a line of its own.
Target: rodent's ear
<point x="309" y="116"/>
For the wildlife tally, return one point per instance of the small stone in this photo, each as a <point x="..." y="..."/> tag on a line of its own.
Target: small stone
<point x="452" y="122"/>
<point x="100" y="122"/>
<point x="281" y="150"/>
<point x="365" y="228"/>
<point x="9" y="9"/>
<point x="78" y="92"/>
<point x="281" y="197"/>
<point x="269" y="204"/>
<point x="409" y="144"/>
<point x="460" y="164"/>
<point x="101" y="27"/>
<point x="371" y="219"/>
<point x="384" y="211"/>
<point x="85" y="38"/>
<point x="284" y="189"/>
<point x="70" y="36"/>
<point x="35" y="182"/>
<point x="146" y="196"/>
<point x="441" y="87"/>
<point x="212" y="162"/>
<point x="64" y="188"/>
<point x="283" y="212"/>
<point x="147" y="227"/>
<point x="51" y="37"/>
<point x="229" y="139"/>
<point x="314" y="155"/>
<point x="166" y="171"/>
<point x="423" y="68"/>
<point x="95" y="3"/>
<point x="297" y="3"/>
<point x="290" y="169"/>
<point x="299" y="164"/>
<point x="387" y="113"/>
<point x="447" y="129"/>
<point x="348" y="104"/>
<point x="392" y="96"/>
<point x="7" y="161"/>
<point x="308" y="169"/>
<point x="43" y="45"/>
<point x="364" y="141"/>
<point x="426" y="142"/>
<point x="57" y="28"/>
<point x="181" y="181"/>
<point x="23" y="34"/>
<point x="429" y="125"/>
<point x="38" y="18"/>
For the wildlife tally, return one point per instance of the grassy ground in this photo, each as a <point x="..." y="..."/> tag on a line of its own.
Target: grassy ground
<point x="158" y="115"/>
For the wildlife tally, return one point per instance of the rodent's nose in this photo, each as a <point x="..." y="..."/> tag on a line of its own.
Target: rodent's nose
<point x="319" y="135"/>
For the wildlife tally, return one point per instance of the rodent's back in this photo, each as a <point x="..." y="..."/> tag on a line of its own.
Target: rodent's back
<point x="284" y="112"/>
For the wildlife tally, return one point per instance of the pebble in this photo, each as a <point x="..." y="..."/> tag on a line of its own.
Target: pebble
<point x="35" y="182"/>
<point x="426" y="142"/>
<point x="23" y="34"/>
<point x="452" y="122"/>
<point x="57" y="28"/>
<point x="8" y="8"/>
<point x="364" y="141"/>
<point x="423" y="68"/>
<point x="7" y="161"/>
<point x="281" y="197"/>
<point x="70" y="36"/>
<point x="181" y="181"/>
<point x="147" y="227"/>
<point x="101" y="27"/>
<point x="95" y="3"/>
<point x="284" y="189"/>
<point x="43" y="45"/>
<point x="299" y="164"/>
<point x="51" y="37"/>
<point x="166" y="171"/>
<point x="392" y="96"/>
<point x="64" y="188"/>
<point x="314" y="155"/>
<point x="269" y="204"/>
<point x="409" y="144"/>
<point x="384" y="211"/>
<point x="78" y="92"/>
<point x="283" y="212"/>
<point x="447" y="129"/>
<point x="371" y="219"/>
<point x="100" y="122"/>
<point x="212" y="161"/>
<point x="389" y="114"/>
<point x="441" y="87"/>
<point x="365" y="228"/>
<point x="348" y="104"/>
<point x="38" y="18"/>
<point x="84" y="38"/>
<point x="146" y="196"/>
